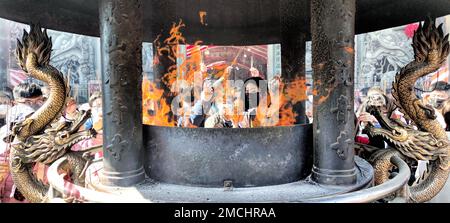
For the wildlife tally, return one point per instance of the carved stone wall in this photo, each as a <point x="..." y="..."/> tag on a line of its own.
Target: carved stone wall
<point x="380" y="56"/>
<point x="74" y="55"/>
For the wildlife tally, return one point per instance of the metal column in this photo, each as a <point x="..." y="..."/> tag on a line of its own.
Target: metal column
<point x="333" y="30"/>
<point x="293" y="40"/>
<point x="121" y="32"/>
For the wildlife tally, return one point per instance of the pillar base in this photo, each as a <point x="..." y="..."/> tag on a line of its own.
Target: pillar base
<point x="299" y="191"/>
<point x="333" y="177"/>
<point x="122" y="179"/>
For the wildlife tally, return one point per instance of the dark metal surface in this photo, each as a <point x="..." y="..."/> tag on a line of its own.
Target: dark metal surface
<point x="299" y="191"/>
<point x="292" y="38"/>
<point x="293" y="46"/>
<point x="228" y="21"/>
<point x="121" y="45"/>
<point x="374" y="193"/>
<point x="332" y="26"/>
<point x="247" y="157"/>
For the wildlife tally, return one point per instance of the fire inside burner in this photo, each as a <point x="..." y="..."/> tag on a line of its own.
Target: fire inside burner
<point x="218" y="87"/>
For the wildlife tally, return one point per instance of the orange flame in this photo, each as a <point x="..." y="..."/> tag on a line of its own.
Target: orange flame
<point x="295" y="90"/>
<point x="156" y="110"/>
<point x="291" y="93"/>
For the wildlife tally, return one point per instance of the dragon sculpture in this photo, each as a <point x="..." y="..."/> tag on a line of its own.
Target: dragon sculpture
<point x="41" y="137"/>
<point x="427" y="140"/>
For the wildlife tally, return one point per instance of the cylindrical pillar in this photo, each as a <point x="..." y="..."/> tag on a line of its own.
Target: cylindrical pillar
<point x="293" y="48"/>
<point x="121" y="33"/>
<point x="333" y="30"/>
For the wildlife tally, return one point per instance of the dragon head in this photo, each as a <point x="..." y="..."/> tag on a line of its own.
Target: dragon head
<point x="412" y="143"/>
<point x="54" y="142"/>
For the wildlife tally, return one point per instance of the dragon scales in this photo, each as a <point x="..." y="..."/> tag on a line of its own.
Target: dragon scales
<point x="428" y="141"/>
<point x="41" y="137"/>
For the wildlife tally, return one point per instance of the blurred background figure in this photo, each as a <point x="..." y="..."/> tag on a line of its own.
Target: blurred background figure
<point x="446" y="114"/>
<point x="71" y="112"/>
<point x="375" y="97"/>
<point x="253" y="95"/>
<point x="436" y="99"/>
<point x="222" y="118"/>
<point x="95" y="104"/>
<point x="45" y="91"/>
<point x="255" y="73"/>
<point x="28" y="98"/>
<point x="6" y="102"/>
<point x="95" y="124"/>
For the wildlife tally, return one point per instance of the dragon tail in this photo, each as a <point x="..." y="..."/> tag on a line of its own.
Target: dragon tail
<point x="433" y="183"/>
<point x="431" y="49"/>
<point x="395" y="95"/>
<point x="36" y="42"/>
<point x="33" y="55"/>
<point x="429" y="44"/>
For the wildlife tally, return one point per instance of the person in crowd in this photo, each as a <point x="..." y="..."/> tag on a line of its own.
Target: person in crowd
<point x="94" y="123"/>
<point x="95" y="104"/>
<point x="6" y="102"/>
<point x="222" y="118"/>
<point x="71" y="112"/>
<point x="185" y="100"/>
<point x="206" y="105"/>
<point x="446" y="114"/>
<point x="309" y="102"/>
<point x="375" y="97"/>
<point x="28" y="98"/>
<point x="436" y="98"/>
<point x="253" y="95"/>
<point x="440" y="93"/>
<point x="255" y="73"/>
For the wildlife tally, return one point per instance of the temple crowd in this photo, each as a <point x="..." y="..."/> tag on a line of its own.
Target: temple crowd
<point x="235" y="107"/>
<point x="210" y="110"/>
<point x="19" y="103"/>
<point x="438" y="98"/>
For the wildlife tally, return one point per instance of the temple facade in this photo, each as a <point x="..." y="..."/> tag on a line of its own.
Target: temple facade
<point x="379" y="55"/>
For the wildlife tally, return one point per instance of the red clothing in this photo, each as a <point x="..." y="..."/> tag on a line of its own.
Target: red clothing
<point x="361" y="139"/>
<point x="7" y="188"/>
<point x="87" y="143"/>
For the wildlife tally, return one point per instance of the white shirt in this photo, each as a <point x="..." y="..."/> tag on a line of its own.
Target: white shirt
<point x="18" y="112"/>
<point x="440" y="118"/>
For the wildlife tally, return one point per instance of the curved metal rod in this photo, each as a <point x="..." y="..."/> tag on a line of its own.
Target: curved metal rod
<point x="58" y="183"/>
<point x="373" y="193"/>
<point x="362" y="196"/>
